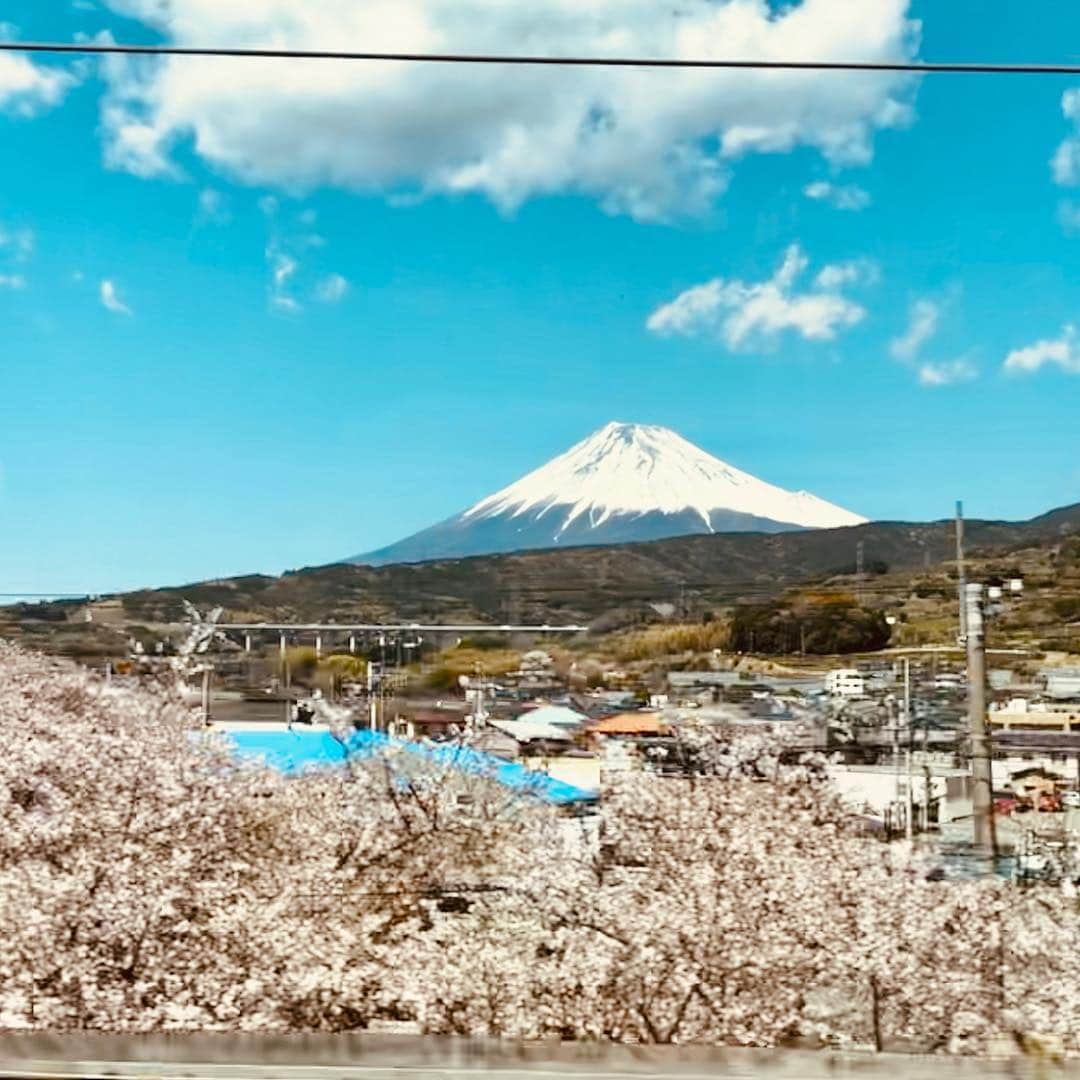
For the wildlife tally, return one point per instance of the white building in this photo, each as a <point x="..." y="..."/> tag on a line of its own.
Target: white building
<point x="1019" y="714"/>
<point x="1064" y="683"/>
<point x="845" y="682"/>
<point x="878" y="788"/>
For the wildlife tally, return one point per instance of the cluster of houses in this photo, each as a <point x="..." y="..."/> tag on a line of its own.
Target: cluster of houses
<point x="531" y="717"/>
<point x="535" y="718"/>
<point x="900" y="774"/>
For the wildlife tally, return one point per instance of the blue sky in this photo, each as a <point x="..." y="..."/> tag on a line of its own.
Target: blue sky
<point x="256" y="321"/>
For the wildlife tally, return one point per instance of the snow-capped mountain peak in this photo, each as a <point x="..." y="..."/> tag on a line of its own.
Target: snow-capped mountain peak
<point x="624" y="483"/>
<point x="641" y="468"/>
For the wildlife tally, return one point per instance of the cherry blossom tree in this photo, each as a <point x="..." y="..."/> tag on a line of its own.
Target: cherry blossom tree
<point x="140" y="869"/>
<point x="152" y="880"/>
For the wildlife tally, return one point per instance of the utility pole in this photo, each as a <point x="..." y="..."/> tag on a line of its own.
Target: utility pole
<point x="859" y="568"/>
<point x="206" y="695"/>
<point x="981" y="756"/>
<point x="961" y="580"/>
<point x="907" y="695"/>
<point x="372" y="719"/>
<point x="909" y="809"/>
<point x="286" y="681"/>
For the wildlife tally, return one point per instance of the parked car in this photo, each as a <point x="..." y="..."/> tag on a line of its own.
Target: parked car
<point x="1070" y="798"/>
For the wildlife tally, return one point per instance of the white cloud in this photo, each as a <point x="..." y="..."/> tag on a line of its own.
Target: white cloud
<point x="332" y="288"/>
<point x="743" y="314"/>
<point x="292" y="258"/>
<point x="213" y="208"/>
<point x="1062" y="352"/>
<point x="283" y="269"/>
<point x="27" y="88"/>
<point x="947" y="372"/>
<point x="1069" y="215"/>
<point x="856" y="272"/>
<point x="16" y="249"/>
<point x="922" y="325"/>
<point x="16" y="245"/>
<point x="653" y="144"/>
<point x="284" y="266"/>
<point x="841" y="196"/>
<point x="1065" y="164"/>
<point x="110" y="298"/>
<point x="288" y="304"/>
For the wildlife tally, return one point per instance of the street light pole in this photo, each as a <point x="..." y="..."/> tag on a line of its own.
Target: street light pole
<point x="981" y="757"/>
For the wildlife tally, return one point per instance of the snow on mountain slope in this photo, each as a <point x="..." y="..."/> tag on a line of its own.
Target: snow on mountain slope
<point x="624" y="483"/>
<point x="635" y="468"/>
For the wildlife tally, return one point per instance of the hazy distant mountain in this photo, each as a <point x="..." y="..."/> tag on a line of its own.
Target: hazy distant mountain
<point x="624" y="483"/>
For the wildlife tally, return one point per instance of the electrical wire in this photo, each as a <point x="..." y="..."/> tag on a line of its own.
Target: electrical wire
<point x="82" y="48"/>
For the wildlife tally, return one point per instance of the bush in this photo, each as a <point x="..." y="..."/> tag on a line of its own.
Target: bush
<point x="440" y="678"/>
<point x="1068" y="607"/>
<point x="302" y="663"/>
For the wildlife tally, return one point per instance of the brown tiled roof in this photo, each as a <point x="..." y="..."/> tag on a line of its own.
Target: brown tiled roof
<point x="631" y="723"/>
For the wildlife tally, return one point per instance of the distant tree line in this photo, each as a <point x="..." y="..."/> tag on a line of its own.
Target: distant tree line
<point x="780" y="628"/>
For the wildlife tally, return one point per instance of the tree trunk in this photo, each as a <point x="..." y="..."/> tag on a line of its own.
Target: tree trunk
<point x="875" y="1012"/>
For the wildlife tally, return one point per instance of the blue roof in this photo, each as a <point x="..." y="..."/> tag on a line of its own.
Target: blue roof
<point x="295" y="750"/>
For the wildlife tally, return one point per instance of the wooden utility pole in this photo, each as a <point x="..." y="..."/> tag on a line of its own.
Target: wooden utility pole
<point x="981" y="754"/>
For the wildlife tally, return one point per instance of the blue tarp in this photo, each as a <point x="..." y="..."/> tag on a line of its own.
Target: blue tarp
<point x="291" y="751"/>
<point x="288" y="751"/>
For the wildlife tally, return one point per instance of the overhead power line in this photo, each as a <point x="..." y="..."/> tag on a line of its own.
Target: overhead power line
<point x="84" y="48"/>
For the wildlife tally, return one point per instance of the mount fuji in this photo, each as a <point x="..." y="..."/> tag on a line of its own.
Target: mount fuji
<point x="624" y="483"/>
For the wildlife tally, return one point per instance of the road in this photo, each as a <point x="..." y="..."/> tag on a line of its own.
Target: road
<point x="399" y="1056"/>
<point x="116" y="1070"/>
